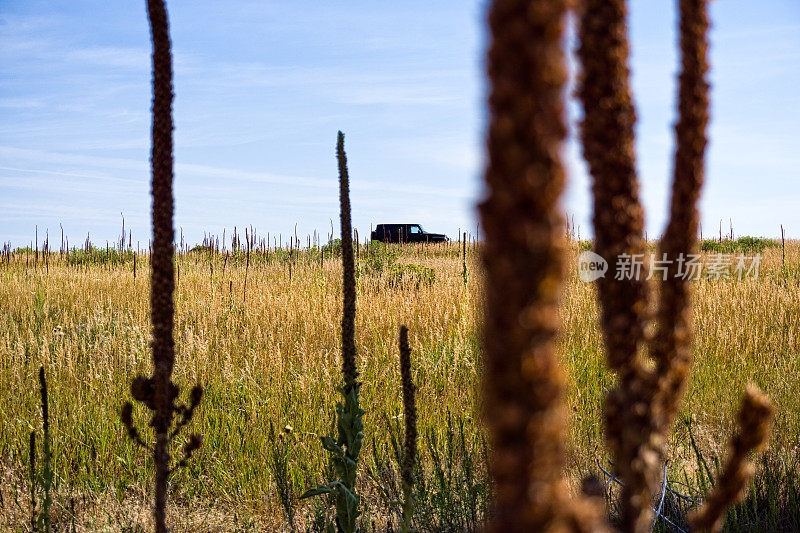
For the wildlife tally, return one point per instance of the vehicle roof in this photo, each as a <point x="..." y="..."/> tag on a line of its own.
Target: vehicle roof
<point x="403" y="224"/>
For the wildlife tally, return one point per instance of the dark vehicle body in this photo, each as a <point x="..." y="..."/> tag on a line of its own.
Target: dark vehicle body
<point x="405" y="233"/>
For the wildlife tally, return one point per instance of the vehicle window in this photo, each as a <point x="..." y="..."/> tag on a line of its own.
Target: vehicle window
<point x="414" y="229"/>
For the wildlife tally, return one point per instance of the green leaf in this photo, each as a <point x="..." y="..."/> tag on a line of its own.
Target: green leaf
<point x="322" y="489"/>
<point x="329" y="444"/>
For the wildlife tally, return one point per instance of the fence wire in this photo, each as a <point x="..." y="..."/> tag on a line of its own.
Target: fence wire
<point x="670" y="506"/>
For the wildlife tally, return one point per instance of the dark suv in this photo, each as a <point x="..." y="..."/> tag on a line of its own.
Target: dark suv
<point x="405" y="233"/>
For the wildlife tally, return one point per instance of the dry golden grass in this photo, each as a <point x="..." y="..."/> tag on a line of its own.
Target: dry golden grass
<point x="272" y="355"/>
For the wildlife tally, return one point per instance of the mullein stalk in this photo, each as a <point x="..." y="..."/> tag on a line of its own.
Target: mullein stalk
<point x="247" y="267"/>
<point x="754" y="420"/>
<point x="47" y="467"/>
<point x="410" y="419"/>
<point x="348" y="271"/>
<point x="671" y="343"/>
<point x="158" y="392"/>
<point x="640" y="411"/>
<point x="671" y="346"/>
<point x="345" y="449"/>
<point x="33" y="479"/>
<point x="162" y="273"/>
<point x="607" y="135"/>
<point x="464" y="274"/>
<point x="523" y="258"/>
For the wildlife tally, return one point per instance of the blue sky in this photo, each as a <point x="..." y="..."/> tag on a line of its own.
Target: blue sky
<point x="263" y="86"/>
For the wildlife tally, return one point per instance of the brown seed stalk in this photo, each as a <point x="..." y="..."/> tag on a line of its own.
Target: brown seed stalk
<point x="754" y="420"/>
<point x="348" y="271"/>
<point x="641" y="409"/>
<point x="162" y="271"/>
<point x="608" y="147"/>
<point x="158" y="393"/>
<point x="33" y="476"/>
<point x="607" y="136"/>
<point x="523" y="383"/>
<point x="410" y="419"/>
<point x="671" y="344"/>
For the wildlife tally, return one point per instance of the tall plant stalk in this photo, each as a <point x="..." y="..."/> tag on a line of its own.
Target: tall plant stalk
<point x="640" y="410"/>
<point x="523" y="383"/>
<point x="523" y="258"/>
<point x="410" y="420"/>
<point x="47" y="466"/>
<point x="162" y="271"/>
<point x="158" y="392"/>
<point x="754" y="422"/>
<point x="346" y="448"/>
<point x="348" y="271"/>
<point x="33" y="480"/>
<point x="607" y="135"/>
<point x="40" y="520"/>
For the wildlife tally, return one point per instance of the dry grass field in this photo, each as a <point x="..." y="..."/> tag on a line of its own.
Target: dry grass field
<point x="263" y="340"/>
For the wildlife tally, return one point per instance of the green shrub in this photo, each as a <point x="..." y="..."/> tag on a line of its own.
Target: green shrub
<point x="380" y="258"/>
<point x="744" y="244"/>
<point x="410" y="276"/>
<point x="381" y="262"/>
<point x="99" y="256"/>
<point x="333" y="248"/>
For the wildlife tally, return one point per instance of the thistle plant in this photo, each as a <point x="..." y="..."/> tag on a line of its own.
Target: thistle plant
<point x="278" y="463"/>
<point x="345" y="449"/>
<point x="158" y="393"/>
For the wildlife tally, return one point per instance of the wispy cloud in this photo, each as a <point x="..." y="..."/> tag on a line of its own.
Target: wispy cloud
<point x="261" y="89"/>
<point x="110" y="56"/>
<point x="21" y="103"/>
<point x="187" y="170"/>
